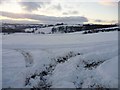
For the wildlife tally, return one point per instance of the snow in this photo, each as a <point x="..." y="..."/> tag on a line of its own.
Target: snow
<point x="45" y="30"/>
<point x="73" y="69"/>
<point x="28" y="29"/>
<point x="1" y="61"/>
<point x="108" y="28"/>
<point x="48" y="30"/>
<point x="71" y="60"/>
<point x="109" y="71"/>
<point x="28" y="40"/>
<point x="11" y="66"/>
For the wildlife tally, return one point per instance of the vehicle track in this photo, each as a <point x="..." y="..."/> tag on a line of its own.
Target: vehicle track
<point x="28" y="57"/>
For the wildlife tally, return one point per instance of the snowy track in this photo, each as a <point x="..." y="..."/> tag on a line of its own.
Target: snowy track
<point x="28" y="57"/>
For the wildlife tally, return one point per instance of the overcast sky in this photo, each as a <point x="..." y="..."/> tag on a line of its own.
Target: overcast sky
<point x="57" y="11"/>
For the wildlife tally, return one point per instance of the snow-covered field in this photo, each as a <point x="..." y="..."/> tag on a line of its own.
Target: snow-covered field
<point x="71" y="60"/>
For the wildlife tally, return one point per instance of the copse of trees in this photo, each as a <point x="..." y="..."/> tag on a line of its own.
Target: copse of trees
<point x="11" y="30"/>
<point x="66" y="29"/>
<point x="59" y="24"/>
<point x="96" y="26"/>
<point x="103" y="30"/>
<point x="91" y="27"/>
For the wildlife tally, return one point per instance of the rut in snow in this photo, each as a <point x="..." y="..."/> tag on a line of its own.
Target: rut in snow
<point x="28" y="57"/>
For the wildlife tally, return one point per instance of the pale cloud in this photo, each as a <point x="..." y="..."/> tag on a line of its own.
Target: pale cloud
<point x="108" y="2"/>
<point x="18" y="21"/>
<point x="58" y="7"/>
<point x="105" y="21"/>
<point x="46" y="19"/>
<point x="2" y="1"/>
<point x="30" y="6"/>
<point x="98" y="20"/>
<point x="70" y="12"/>
<point x="33" y="5"/>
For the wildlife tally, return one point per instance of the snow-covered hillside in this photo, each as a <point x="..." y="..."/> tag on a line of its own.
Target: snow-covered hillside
<point x="73" y="60"/>
<point x="46" y="30"/>
<point x="67" y="29"/>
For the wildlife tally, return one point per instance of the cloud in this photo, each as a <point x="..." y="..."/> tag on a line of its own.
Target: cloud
<point x="0" y="2"/>
<point x="3" y="1"/>
<point x="98" y="20"/>
<point x="105" y="21"/>
<point x="47" y="19"/>
<point x="108" y="2"/>
<point x="58" y="7"/>
<point x="74" y="12"/>
<point x="55" y="6"/>
<point x="18" y="21"/>
<point x="31" y="6"/>
<point x="70" y="12"/>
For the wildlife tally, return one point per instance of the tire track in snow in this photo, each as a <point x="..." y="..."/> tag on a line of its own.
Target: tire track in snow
<point x="28" y="57"/>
